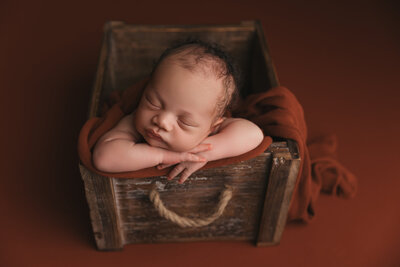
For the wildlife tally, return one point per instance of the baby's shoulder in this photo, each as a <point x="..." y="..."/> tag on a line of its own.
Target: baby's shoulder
<point x="236" y="122"/>
<point x="225" y="121"/>
<point x="128" y="125"/>
<point x="124" y="129"/>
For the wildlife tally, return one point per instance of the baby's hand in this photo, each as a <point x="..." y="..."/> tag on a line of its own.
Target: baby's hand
<point x="170" y="157"/>
<point x="185" y="169"/>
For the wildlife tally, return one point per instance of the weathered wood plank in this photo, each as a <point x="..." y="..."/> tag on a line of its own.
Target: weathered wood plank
<point x="280" y="187"/>
<point x="270" y="68"/>
<point x="103" y="212"/>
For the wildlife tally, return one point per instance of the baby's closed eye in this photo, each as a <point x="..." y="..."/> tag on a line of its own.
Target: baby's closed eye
<point x="186" y="122"/>
<point x="153" y="104"/>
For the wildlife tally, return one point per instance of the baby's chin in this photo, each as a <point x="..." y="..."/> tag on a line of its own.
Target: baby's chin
<point x="181" y="149"/>
<point x="169" y="147"/>
<point x="165" y="145"/>
<point x="159" y="144"/>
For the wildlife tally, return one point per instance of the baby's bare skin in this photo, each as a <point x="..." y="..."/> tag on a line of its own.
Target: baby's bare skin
<point x="175" y="124"/>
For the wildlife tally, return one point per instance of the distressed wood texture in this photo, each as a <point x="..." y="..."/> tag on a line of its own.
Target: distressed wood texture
<point x="282" y="179"/>
<point x="103" y="212"/>
<point x="195" y="198"/>
<point x="249" y="210"/>
<point x="120" y="209"/>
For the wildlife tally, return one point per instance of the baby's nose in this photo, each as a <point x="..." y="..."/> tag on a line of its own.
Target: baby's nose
<point x="164" y="121"/>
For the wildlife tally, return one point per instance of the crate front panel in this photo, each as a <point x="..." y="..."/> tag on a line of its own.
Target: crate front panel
<point x="197" y="197"/>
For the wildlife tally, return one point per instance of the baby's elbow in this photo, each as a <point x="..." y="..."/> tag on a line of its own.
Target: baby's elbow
<point x="257" y="135"/>
<point x="252" y="135"/>
<point x="99" y="160"/>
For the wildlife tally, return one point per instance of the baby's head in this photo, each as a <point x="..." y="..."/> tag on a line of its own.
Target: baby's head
<point x="192" y="84"/>
<point x="212" y="61"/>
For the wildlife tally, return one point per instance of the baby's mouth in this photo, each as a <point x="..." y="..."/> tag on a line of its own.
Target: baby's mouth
<point x="153" y="135"/>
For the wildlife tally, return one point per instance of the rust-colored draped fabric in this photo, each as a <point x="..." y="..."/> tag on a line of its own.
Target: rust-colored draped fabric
<point x="277" y="112"/>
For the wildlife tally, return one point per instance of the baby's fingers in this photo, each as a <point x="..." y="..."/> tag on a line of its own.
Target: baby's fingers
<point x="180" y="169"/>
<point x="175" y="171"/>
<point x="192" y="157"/>
<point x="163" y="166"/>
<point x="184" y="175"/>
<point x="201" y="148"/>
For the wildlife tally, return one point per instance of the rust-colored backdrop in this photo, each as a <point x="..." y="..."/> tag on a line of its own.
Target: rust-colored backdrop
<point x="341" y="58"/>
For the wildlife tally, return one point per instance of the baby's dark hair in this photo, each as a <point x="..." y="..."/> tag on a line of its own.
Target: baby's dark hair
<point x="195" y="54"/>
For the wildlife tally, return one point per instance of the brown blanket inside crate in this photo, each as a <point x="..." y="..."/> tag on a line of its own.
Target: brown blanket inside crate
<point x="277" y="112"/>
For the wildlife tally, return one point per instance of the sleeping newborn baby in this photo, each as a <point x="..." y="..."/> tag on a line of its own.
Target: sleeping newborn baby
<point x="180" y="118"/>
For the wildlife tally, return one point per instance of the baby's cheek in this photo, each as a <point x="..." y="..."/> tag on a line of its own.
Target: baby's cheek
<point x="142" y="119"/>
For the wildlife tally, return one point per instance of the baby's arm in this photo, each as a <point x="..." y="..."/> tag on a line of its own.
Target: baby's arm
<point x="118" y="150"/>
<point x="235" y="137"/>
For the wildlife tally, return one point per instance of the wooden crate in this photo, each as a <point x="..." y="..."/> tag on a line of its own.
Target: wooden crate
<point x="120" y="209"/>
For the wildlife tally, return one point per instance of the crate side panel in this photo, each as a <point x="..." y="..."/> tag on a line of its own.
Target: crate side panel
<point x="133" y="53"/>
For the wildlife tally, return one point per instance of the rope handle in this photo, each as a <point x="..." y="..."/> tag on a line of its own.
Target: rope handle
<point x="224" y="198"/>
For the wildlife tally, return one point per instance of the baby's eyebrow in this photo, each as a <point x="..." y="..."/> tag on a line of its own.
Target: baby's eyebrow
<point x="158" y="95"/>
<point x="187" y="114"/>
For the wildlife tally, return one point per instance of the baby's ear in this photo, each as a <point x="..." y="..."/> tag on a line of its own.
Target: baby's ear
<point x="217" y="123"/>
